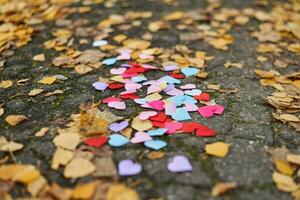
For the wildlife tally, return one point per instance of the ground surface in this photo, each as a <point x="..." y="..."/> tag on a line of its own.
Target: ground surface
<point x="246" y="124"/>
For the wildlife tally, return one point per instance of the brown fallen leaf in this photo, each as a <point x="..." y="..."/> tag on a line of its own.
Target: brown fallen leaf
<point x="84" y="191"/>
<point x="79" y="167"/>
<point x="136" y="44"/>
<point x="232" y="64"/>
<point x="39" y="57"/>
<point x="289" y="118"/>
<point x="67" y="140"/>
<point x="83" y="69"/>
<point x="41" y="132"/>
<point x="154" y="155"/>
<point x="221" y="188"/>
<point x="53" y="93"/>
<point x="14" y="120"/>
<point x="11" y="147"/>
<point x="1" y="111"/>
<point x="105" y="167"/>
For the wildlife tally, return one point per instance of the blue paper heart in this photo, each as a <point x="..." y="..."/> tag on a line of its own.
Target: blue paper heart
<point x="117" y="140"/>
<point x="140" y="101"/>
<point x="188" y="71"/>
<point x="157" y="132"/>
<point x="178" y="100"/>
<point x="155" y="144"/>
<point x="193" y="92"/>
<point x="170" y="79"/>
<point x="138" y="79"/>
<point x="189" y="99"/>
<point x="109" y="61"/>
<point x="181" y="114"/>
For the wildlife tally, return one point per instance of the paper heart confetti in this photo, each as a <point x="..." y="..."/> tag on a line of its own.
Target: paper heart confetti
<point x="140" y="137"/>
<point x="117" y="71"/>
<point x="109" y="61"/>
<point x="157" y="132"/>
<point x="188" y="71"/>
<point x="96" y="141"/>
<point x="181" y="114"/>
<point x="100" y="86"/>
<point x="157" y="105"/>
<point x="117" y="105"/>
<point x="155" y="144"/>
<point x="146" y="114"/>
<point x="173" y="127"/>
<point x="210" y="110"/>
<point x="116" y="127"/>
<point x="117" y="140"/>
<point x="128" y="168"/>
<point x="180" y="163"/>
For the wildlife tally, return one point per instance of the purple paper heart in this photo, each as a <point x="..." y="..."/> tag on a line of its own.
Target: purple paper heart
<point x="180" y="164"/>
<point x="128" y="168"/>
<point x="100" y="85"/>
<point x="116" y="127"/>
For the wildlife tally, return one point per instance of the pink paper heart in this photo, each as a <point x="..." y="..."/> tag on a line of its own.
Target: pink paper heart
<point x="173" y="127"/>
<point x="190" y="107"/>
<point x="218" y="109"/>
<point x="153" y="88"/>
<point x="146" y="115"/>
<point x="157" y="105"/>
<point x="210" y="110"/>
<point x="188" y="86"/>
<point x="145" y="56"/>
<point x="117" y="71"/>
<point x="117" y="105"/>
<point x="132" y="86"/>
<point x="140" y="137"/>
<point x="174" y="92"/>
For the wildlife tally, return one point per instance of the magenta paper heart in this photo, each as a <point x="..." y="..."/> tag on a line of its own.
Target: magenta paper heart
<point x="117" y="105"/>
<point x="140" y="137"/>
<point x="116" y="127"/>
<point x="180" y="164"/>
<point x="128" y="168"/>
<point x="210" y="110"/>
<point x="117" y="71"/>
<point x="173" y="127"/>
<point x="190" y="107"/>
<point x="157" y="104"/>
<point x="146" y="115"/>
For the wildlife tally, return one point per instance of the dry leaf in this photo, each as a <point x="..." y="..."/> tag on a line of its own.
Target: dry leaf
<point x="136" y="44"/>
<point x="214" y="86"/>
<point x="61" y="157"/>
<point x="67" y="140"/>
<point x="39" y="57"/>
<point x="35" y="187"/>
<point x="121" y="192"/>
<point x="54" y="93"/>
<point x="154" y="155"/>
<point x="105" y="167"/>
<point x="11" y="147"/>
<point x="219" y="149"/>
<point x="35" y="92"/>
<point x="27" y="175"/>
<point x="47" y="80"/>
<point x="1" y="111"/>
<point x="283" y="166"/>
<point x="284" y="183"/>
<point x="221" y="188"/>
<point x="177" y="15"/>
<point x="231" y="64"/>
<point x="79" y="167"/>
<point x="13" y="120"/>
<point x="6" y="84"/>
<point x="289" y="118"/>
<point x="293" y="158"/>
<point x="41" y="132"/>
<point x="83" y="69"/>
<point x="84" y="191"/>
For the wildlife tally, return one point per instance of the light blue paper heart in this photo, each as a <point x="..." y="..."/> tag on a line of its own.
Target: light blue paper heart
<point x="181" y="114"/>
<point x="157" y="132"/>
<point x="140" y="101"/>
<point x="117" y="140"/>
<point x="138" y="79"/>
<point x="170" y="79"/>
<point x="189" y="99"/>
<point x="193" y="92"/>
<point x="155" y="144"/>
<point x="109" y="61"/>
<point x="178" y="100"/>
<point x="189" y="71"/>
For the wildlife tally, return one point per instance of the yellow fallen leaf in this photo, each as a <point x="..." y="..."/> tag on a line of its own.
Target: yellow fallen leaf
<point x="27" y="175"/>
<point x="283" y="166"/>
<point x="11" y="147"/>
<point x="41" y="132"/>
<point x="36" y="186"/>
<point x="174" y="16"/>
<point x="39" y="57"/>
<point x="35" y="92"/>
<point x="289" y="118"/>
<point x="6" y="84"/>
<point x="231" y="64"/>
<point x="136" y="44"/>
<point x="141" y="125"/>
<point x="7" y="172"/>
<point x="13" y="120"/>
<point x="284" y="182"/>
<point x="84" y="191"/>
<point x="83" y="69"/>
<point x="1" y="111"/>
<point x="293" y="158"/>
<point x="219" y="149"/>
<point x="121" y="192"/>
<point x="79" y="167"/>
<point x="154" y="155"/>
<point x="61" y="157"/>
<point x="67" y="140"/>
<point x="221" y="188"/>
<point x="120" y="38"/>
<point x="47" y="80"/>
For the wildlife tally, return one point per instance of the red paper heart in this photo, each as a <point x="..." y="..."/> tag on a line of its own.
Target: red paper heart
<point x="178" y="76"/>
<point x="161" y="124"/>
<point x="96" y="141"/>
<point x="189" y="127"/>
<point x="129" y="96"/>
<point x="115" y="85"/>
<point x="203" y="97"/>
<point x="160" y="117"/>
<point x="111" y="99"/>
<point x="135" y="70"/>
<point x="204" y="131"/>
